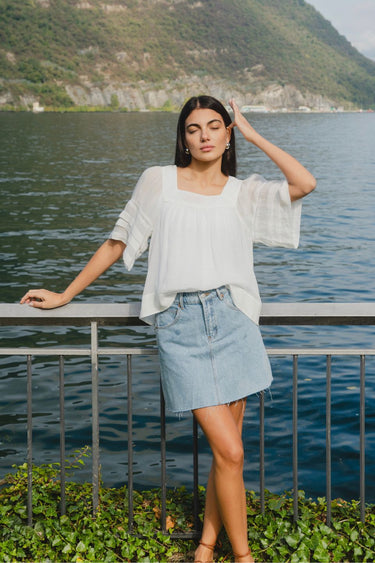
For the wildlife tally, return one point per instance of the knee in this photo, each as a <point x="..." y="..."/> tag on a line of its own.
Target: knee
<point x="231" y="457"/>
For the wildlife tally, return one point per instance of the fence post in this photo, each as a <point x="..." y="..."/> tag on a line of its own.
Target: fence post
<point x="362" y="475"/>
<point x="29" y="443"/>
<point x="62" y="436"/>
<point x="328" y="442"/>
<point x="95" y="416"/>
<point x="130" y="444"/>
<point x="295" y="437"/>
<point x="261" y="452"/>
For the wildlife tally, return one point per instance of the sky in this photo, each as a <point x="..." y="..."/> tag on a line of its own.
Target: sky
<point x="353" y="18"/>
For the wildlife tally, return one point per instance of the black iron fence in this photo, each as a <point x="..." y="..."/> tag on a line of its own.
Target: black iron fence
<point x="127" y="314"/>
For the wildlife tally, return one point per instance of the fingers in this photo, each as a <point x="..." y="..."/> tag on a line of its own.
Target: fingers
<point x="237" y="114"/>
<point x="233" y="105"/>
<point x="36" y="298"/>
<point x="30" y="295"/>
<point x="242" y="124"/>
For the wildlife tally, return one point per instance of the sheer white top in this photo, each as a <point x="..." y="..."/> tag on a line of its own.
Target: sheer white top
<point x="201" y="242"/>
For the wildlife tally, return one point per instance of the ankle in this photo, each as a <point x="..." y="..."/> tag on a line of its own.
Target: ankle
<point x="208" y="545"/>
<point x="204" y="553"/>
<point x="244" y="557"/>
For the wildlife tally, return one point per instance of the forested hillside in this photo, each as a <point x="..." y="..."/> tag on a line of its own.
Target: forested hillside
<point x="135" y="53"/>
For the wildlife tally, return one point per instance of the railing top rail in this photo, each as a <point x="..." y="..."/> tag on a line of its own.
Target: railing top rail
<point x="76" y="314"/>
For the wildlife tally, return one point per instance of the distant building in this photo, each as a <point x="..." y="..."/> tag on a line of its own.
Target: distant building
<point x="254" y="109"/>
<point x="37" y="108"/>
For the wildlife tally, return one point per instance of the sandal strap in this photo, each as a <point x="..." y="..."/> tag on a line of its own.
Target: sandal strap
<point x="211" y="547"/>
<point x="237" y="555"/>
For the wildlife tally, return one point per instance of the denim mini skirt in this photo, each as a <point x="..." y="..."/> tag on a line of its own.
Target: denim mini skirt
<point x="211" y="353"/>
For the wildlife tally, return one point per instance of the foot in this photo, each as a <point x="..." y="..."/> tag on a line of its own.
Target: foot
<point x="204" y="553"/>
<point x="244" y="558"/>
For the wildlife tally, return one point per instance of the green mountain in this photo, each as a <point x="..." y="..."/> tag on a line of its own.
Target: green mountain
<point x="154" y="53"/>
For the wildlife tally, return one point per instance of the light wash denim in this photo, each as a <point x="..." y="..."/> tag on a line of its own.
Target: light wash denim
<point x="210" y="352"/>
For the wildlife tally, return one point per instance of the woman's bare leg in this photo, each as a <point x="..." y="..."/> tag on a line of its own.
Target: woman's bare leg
<point x="225" y="497"/>
<point x="212" y="522"/>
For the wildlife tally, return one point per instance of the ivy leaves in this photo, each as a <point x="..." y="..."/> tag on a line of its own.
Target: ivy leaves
<point x="78" y="537"/>
<point x="276" y="537"/>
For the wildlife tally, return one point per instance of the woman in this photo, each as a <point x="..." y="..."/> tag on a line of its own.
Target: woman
<point x="200" y="292"/>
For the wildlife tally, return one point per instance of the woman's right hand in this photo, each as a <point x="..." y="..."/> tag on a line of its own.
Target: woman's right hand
<point x="105" y="256"/>
<point x="44" y="299"/>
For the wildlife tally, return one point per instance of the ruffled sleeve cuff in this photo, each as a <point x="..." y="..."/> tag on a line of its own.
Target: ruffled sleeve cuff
<point x="133" y="228"/>
<point x="273" y="219"/>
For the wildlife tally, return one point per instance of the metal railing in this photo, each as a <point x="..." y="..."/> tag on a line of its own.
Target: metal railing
<point x="95" y="315"/>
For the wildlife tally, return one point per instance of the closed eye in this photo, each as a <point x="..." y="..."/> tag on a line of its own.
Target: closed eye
<point x="214" y="124"/>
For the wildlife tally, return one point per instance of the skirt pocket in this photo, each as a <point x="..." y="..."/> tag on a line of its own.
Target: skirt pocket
<point x="169" y="317"/>
<point x="226" y="298"/>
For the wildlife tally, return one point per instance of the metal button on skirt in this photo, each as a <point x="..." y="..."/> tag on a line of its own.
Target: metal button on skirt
<point x="210" y="352"/>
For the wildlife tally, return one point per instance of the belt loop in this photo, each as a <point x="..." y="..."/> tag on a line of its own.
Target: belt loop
<point x="219" y="293"/>
<point x="181" y="300"/>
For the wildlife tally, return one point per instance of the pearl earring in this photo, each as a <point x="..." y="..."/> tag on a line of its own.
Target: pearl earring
<point x="187" y="151"/>
<point x="227" y="146"/>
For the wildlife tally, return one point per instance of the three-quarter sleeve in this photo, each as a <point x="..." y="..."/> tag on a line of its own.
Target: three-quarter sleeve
<point x="272" y="218"/>
<point x="135" y="223"/>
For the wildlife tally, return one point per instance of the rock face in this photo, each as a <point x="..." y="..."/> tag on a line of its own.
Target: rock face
<point x="144" y="96"/>
<point x="144" y="54"/>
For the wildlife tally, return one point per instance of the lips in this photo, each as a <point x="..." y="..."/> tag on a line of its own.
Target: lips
<point x="207" y="148"/>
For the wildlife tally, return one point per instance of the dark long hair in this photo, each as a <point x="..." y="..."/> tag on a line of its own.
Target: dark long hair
<point x="228" y="163"/>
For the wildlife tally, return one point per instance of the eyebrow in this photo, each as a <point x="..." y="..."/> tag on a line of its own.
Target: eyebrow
<point x="209" y="123"/>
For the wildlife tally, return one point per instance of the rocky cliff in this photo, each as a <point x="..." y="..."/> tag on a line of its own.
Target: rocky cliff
<point x="141" y="54"/>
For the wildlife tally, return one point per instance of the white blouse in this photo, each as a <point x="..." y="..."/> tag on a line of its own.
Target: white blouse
<point x="201" y="242"/>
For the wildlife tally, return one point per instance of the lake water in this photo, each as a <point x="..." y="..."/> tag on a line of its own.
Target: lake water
<point x="65" y="177"/>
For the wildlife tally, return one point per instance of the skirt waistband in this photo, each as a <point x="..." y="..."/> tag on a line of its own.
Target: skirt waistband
<point x="195" y="297"/>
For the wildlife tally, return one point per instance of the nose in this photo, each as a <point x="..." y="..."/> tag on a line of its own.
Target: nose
<point x="205" y="134"/>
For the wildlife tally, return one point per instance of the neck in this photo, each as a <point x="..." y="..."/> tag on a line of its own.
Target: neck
<point x="203" y="178"/>
<point x="207" y="172"/>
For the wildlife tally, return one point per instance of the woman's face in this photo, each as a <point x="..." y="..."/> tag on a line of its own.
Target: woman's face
<point x="206" y="135"/>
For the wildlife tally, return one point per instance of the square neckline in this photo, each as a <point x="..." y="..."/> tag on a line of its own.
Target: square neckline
<point x="197" y="193"/>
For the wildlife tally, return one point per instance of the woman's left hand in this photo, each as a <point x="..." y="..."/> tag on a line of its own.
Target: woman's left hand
<point x="300" y="181"/>
<point x="242" y="123"/>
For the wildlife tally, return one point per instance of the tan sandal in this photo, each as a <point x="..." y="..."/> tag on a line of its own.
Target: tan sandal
<point x="238" y="556"/>
<point x="208" y="546"/>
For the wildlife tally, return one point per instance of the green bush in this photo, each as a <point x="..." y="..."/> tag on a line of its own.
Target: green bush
<point x="77" y="536"/>
<point x="115" y="104"/>
<point x="51" y="94"/>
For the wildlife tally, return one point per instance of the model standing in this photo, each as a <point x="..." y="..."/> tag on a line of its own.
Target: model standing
<point x="200" y="292"/>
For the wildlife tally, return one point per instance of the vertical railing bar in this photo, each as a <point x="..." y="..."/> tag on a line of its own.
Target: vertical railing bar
<point x="62" y="436"/>
<point x="295" y="437"/>
<point x="163" y="457"/>
<point x="196" y="504"/>
<point x="362" y="454"/>
<point x="328" y="441"/>
<point x="95" y="416"/>
<point x="130" y="445"/>
<point x="29" y="443"/>
<point x="261" y="452"/>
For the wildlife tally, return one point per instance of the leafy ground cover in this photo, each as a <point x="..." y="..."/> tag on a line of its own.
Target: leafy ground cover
<point x="79" y="537"/>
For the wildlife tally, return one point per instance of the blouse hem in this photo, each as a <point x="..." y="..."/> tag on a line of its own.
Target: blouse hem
<point x="154" y="303"/>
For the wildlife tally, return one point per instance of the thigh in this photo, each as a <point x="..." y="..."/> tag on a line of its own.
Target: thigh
<point x="222" y="426"/>
<point x="237" y="409"/>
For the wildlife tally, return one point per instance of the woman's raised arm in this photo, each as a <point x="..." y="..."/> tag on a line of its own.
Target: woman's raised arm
<point x="300" y="181"/>
<point x="104" y="257"/>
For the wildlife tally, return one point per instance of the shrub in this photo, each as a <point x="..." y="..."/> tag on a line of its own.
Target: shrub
<point x="77" y="536"/>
